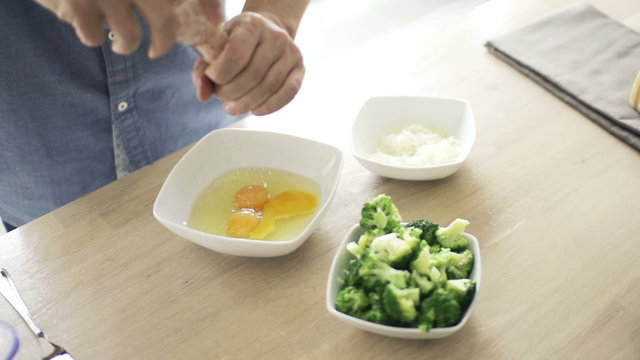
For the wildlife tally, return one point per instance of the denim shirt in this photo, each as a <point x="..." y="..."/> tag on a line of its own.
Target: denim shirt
<point x="59" y="100"/>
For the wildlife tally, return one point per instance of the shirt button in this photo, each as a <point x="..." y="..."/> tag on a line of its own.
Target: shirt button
<point x="111" y="35"/>
<point x="122" y="106"/>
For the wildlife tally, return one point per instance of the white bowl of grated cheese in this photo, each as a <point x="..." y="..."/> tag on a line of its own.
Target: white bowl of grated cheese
<point x="413" y="137"/>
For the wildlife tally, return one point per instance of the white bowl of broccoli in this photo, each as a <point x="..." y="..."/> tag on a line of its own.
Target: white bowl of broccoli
<point x="399" y="279"/>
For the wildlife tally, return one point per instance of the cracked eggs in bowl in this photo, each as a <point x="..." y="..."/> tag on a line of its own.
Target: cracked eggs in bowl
<point x="249" y="193"/>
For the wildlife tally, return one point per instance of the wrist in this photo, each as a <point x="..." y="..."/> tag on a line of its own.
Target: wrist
<point x="291" y="27"/>
<point x="286" y="14"/>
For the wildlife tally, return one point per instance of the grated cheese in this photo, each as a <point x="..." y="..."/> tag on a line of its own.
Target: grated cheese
<point x="417" y="145"/>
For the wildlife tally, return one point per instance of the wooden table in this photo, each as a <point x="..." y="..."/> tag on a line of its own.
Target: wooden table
<point x="552" y="198"/>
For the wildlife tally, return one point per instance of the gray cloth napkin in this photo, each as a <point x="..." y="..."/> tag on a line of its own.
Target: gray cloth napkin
<point x="585" y="58"/>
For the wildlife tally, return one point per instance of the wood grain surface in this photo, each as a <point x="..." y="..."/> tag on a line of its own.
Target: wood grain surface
<point x="552" y="198"/>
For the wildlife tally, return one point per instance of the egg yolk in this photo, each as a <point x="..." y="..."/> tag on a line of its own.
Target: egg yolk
<point x="251" y="197"/>
<point x="257" y="212"/>
<point x="240" y="223"/>
<point x="286" y="204"/>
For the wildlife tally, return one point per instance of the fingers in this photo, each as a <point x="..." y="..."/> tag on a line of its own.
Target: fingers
<point x="245" y="32"/>
<point x="260" y="69"/>
<point x="251" y="76"/>
<point x="86" y="18"/>
<point x="124" y="26"/>
<point x="89" y="16"/>
<point x="276" y="90"/>
<point x="284" y="95"/>
<point x="164" y="25"/>
<point x="204" y="86"/>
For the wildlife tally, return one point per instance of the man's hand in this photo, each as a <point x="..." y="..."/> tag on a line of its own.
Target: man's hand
<point x="259" y="69"/>
<point x="89" y="16"/>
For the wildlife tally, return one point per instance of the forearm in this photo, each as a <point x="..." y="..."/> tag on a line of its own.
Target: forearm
<point x="286" y="13"/>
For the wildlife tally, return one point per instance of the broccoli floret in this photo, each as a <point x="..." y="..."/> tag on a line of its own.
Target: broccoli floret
<point x="441" y="309"/>
<point x="376" y="273"/>
<point x="432" y="265"/>
<point x="422" y="282"/>
<point x="357" y="248"/>
<point x="352" y="301"/>
<point x="409" y="233"/>
<point x="432" y="257"/>
<point x="426" y="316"/>
<point x="428" y="228"/>
<point x="380" y="213"/>
<point x="437" y="277"/>
<point x="456" y="265"/>
<point x="351" y="276"/>
<point x="401" y="304"/>
<point x="463" y="291"/>
<point x="422" y="263"/>
<point x="396" y="249"/>
<point x="460" y="265"/>
<point x="440" y="259"/>
<point x="452" y="236"/>
<point x="377" y="312"/>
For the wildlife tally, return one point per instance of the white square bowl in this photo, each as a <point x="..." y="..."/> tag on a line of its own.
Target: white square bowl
<point x="341" y="263"/>
<point x="226" y="149"/>
<point x="9" y="342"/>
<point x="381" y="116"/>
